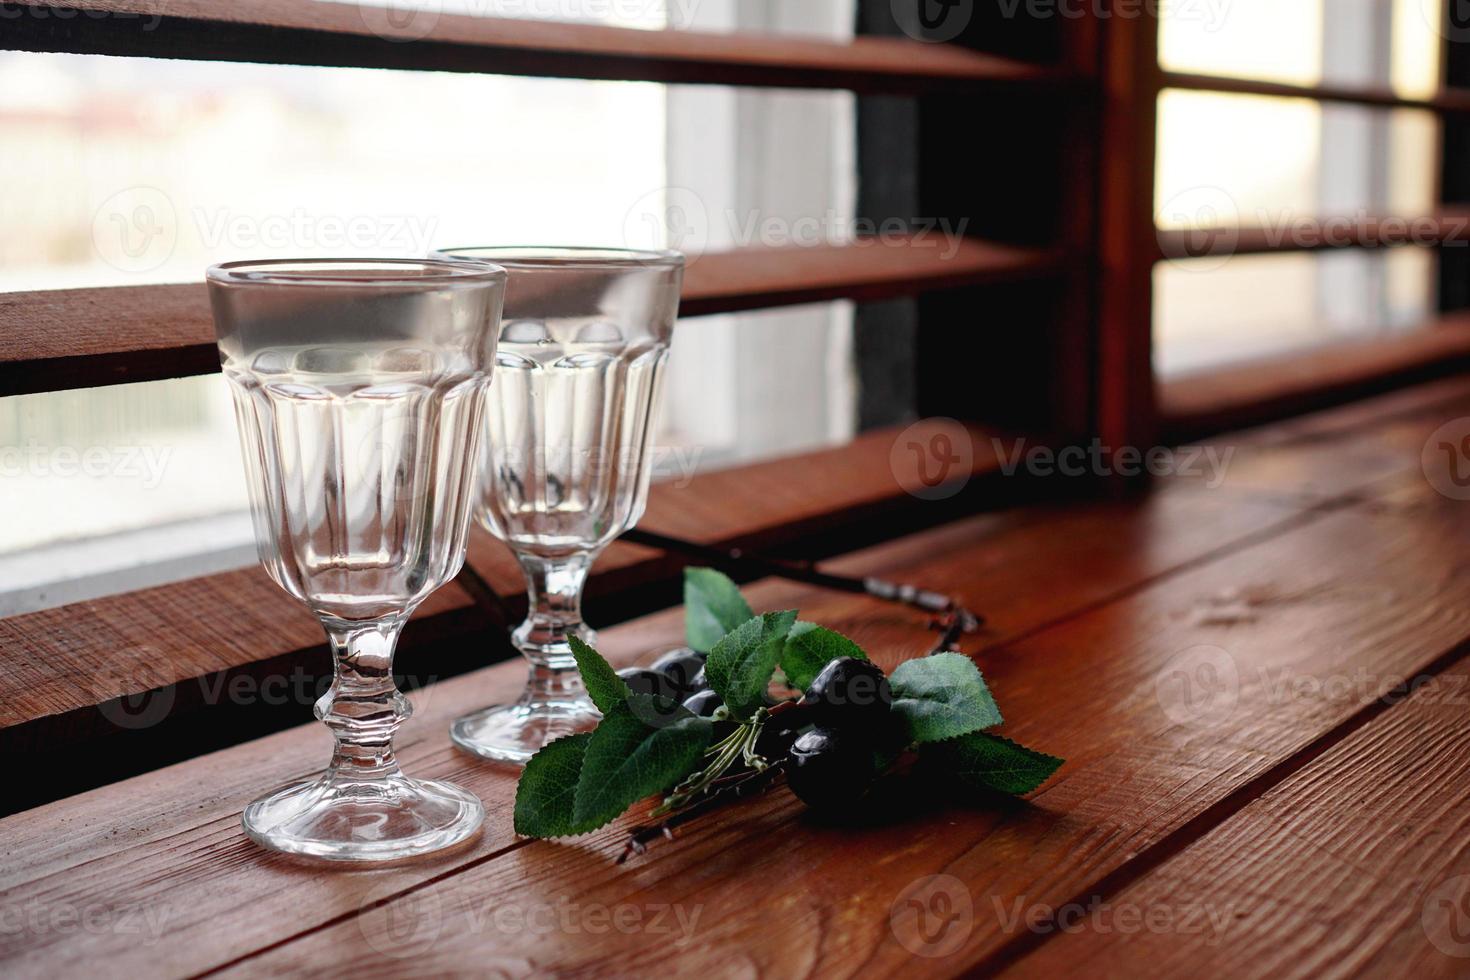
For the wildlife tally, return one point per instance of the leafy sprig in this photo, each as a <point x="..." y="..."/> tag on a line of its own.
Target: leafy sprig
<point x="648" y="745"/>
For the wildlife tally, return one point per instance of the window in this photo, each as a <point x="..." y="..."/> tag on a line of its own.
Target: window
<point x="135" y="170"/>
<point x="1344" y="163"/>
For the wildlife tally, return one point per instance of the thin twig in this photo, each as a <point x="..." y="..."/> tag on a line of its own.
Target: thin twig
<point x="805" y="571"/>
<point x="737" y="788"/>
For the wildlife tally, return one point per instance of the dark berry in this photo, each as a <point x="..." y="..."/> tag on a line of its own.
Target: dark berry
<point x="681" y="666"/>
<point x="703" y="703"/>
<point x="849" y="692"/>
<point x="643" y="681"/>
<point x="830" y="768"/>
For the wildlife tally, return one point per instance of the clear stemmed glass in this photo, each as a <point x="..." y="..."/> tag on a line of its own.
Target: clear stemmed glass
<point x="566" y="463"/>
<point x="359" y="393"/>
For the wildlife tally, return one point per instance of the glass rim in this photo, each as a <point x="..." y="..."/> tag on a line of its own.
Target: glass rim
<point x="440" y="271"/>
<point x="566" y="256"/>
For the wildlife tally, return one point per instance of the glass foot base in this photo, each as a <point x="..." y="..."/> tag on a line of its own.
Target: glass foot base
<point x="515" y="732"/>
<point x="371" y="820"/>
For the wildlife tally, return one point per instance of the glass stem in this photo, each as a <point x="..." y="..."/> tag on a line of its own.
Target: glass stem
<point x="554" y="594"/>
<point x="363" y="707"/>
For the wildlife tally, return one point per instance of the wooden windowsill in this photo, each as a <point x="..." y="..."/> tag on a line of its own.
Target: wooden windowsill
<point x="1255" y="392"/>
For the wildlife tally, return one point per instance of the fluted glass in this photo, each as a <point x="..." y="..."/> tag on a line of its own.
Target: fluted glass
<point x="359" y="391"/>
<point x="567" y="458"/>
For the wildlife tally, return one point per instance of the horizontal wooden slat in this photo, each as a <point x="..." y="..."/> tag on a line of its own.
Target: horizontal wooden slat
<point x="1449" y="100"/>
<point x="1142" y="774"/>
<point x="1315" y="234"/>
<point x="768" y="504"/>
<point x="79" y="338"/>
<point x="420" y="36"/>
<point x="1259" y="391"/>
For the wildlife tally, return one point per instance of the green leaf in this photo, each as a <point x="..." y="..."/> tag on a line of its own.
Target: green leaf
<point x="809" y="648"/>
<point x="713" y="606"/>
<point x="740" y="665"/>
<point x="547" y="791"/>
<point x="984" y="761"/>
<point x="942" y="696"/>
<point x="627" y="758"/>
<point x="604" y="686"/>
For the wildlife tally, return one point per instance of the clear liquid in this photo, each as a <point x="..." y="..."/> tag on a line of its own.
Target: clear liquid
<point x="360" y="461"/>
<point x="567" y="466"/>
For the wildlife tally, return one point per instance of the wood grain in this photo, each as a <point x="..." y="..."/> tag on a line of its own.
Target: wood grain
<point x="1143" y="766"/>
<point x="423" y="37"/>
<point x="142" y="864"/>
<point x="78" y="338"/>
<point x="1365" y="846"/>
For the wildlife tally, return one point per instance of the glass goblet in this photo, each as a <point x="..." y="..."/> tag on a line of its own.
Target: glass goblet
<point x="359" y="396"/>
<point x="566" y="462"/>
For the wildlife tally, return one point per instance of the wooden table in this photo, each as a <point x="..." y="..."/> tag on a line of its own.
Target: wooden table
<point x="1261" y="688"/>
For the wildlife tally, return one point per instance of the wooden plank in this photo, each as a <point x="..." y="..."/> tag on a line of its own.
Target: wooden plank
<point x="213" y="898"/>
<point x="1447" y="100"/>
<point x="1144" y="765"/>
<point x="78" y="338"/>
<point x="424" y="37"/>
<point x="1260" y="391"/>
<point x="1364" y="846"/>
<point x="1317" y="234"/>
<point x="62" y="663"/>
